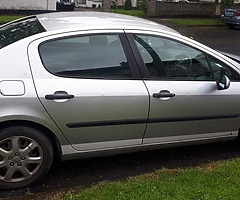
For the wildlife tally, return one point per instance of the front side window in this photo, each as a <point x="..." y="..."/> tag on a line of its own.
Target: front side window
<point x="219" y="68"/>
<point x="167" y="59"/>
<point x="18" y="30"/>
<point x="90" y="56"/>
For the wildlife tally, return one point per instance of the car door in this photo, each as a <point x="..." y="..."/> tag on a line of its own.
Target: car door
<point x="185" y="104"/>
<point x="90" y="86"/>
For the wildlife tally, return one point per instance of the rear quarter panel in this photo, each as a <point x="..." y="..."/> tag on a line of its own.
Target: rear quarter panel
<point x="18" y="98"/>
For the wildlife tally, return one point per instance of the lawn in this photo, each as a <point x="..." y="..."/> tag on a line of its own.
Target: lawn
<point x="216" y="180"/>
<point x="136" y="13"/>
<point x="5" y="19"/>
<point x="139" y="13"/>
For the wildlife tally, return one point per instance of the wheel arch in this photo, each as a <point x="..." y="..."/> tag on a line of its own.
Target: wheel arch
<point x="43" y="129"/>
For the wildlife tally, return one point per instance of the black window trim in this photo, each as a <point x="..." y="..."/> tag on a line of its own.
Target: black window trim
<point x="138" y="57"/>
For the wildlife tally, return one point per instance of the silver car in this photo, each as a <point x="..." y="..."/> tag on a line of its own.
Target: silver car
<point x="75" y="85"/>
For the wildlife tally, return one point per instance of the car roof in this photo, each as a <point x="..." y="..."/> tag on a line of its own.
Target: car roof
<point x="96" y="20"/>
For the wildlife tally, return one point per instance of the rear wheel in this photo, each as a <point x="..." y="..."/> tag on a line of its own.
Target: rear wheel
<point x="25" y="156"/>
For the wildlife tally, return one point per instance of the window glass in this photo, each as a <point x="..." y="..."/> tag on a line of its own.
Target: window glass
<point x="219" y="67"/>
<point x="168" y="59"/>
<point x="18" y="30"/>
<point x="94" y="56"/>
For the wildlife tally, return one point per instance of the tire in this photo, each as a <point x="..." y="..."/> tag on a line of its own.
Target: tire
<point x="25" y="156"/>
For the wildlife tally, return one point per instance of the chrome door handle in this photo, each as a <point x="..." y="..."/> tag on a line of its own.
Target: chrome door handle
<point x="163" y="94"/>
<point x="59" y="95"/>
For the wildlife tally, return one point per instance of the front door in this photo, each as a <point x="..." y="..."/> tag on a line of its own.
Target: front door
<point x="185" y="104"/>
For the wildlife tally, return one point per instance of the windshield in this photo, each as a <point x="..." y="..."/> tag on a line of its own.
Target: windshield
<point x="18" y="30"/>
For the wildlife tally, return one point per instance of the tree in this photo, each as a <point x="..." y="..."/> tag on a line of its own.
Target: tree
<point x="106" y="5"/>
<point x="226" y="4"/>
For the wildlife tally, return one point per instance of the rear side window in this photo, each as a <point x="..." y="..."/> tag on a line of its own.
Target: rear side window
<point x="89" y="56"/>
<point x="18" y="30"/>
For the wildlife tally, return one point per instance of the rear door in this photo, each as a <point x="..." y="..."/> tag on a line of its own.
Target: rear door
<point x="90" y="86"/>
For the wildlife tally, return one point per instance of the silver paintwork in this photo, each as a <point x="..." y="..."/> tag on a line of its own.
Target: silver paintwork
<point x="12" y="88"/>
<point x="195" y="99"/>
<point x="24" y="82"/>
<point x="95" y="20"/>
<point x="152" y="143"/>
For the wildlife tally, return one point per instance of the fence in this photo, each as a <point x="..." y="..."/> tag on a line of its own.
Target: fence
<point x="157" y="8"/>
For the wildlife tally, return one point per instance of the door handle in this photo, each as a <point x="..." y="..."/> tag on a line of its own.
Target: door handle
<point x="59" y="95"/>
<point x="163" y="94"/>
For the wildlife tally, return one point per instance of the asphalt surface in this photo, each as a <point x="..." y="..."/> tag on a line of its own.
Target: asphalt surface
<point x="68" y="175"/>
<point x="217" y="37"/>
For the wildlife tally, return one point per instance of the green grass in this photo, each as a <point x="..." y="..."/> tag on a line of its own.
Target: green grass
<point x="214" y="181"/>
<point x="197" y="22"/>
<point x="136" y="13"/>
<point x="5" y="19"/>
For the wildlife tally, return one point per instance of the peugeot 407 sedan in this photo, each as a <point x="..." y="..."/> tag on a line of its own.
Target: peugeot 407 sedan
<point x="82" y="84"/>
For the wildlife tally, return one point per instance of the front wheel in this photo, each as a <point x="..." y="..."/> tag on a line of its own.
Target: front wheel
<point x="25" y="156"/>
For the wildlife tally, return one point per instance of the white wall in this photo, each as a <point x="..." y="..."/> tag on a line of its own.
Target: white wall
<point x="28" y="4"/>
<point x="89" y="3"/>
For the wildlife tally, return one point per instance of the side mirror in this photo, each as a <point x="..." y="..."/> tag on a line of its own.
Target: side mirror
<point x="223" y="83"/>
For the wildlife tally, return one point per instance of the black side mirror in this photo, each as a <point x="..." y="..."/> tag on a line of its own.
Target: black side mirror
<point x="223" y="83"/>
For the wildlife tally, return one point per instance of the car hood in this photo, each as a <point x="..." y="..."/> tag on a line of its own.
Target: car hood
<point x="232" y="56"/>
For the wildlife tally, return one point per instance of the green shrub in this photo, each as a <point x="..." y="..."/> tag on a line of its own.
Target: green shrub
<point x="226" y="4"/>
<point x="142" y="5"/>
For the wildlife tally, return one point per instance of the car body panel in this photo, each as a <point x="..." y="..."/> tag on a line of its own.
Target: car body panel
<point x="28" y="109"/>
<point x="95" y="21"/>
<point x="102" y="114"/>
<point x="233" y="57"/>
<point x="92" y="143"/>
<point x="197" y="108"/>
<point x="18" y="97"/>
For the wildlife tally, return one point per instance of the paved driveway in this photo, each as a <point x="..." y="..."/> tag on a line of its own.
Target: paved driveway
<point x="220" y="38"/>
<point x="217" y="37"/>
